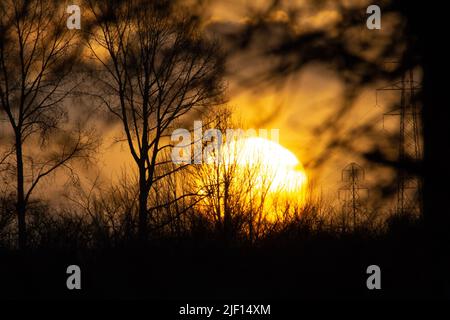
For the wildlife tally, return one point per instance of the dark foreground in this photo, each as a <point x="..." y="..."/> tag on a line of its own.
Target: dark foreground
<point x="301" y="266"/>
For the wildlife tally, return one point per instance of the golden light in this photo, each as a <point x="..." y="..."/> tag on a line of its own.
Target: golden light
<point x="275" y="168"/>
<point x="258" y="176"/>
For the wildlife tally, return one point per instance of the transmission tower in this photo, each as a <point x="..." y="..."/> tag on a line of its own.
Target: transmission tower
<point x="409" y="146"/>
<point x="353" y="193"/>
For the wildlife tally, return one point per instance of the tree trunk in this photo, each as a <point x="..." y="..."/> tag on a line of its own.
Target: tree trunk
<point x="143" y="196"/>
<point x="20" y="205"/>
<point x="227" y="222"/>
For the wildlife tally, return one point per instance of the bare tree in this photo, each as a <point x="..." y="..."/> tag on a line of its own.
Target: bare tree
<point x="234" y="191"/>
<point x="155" y="67"/>
<point x="37" y="56"/>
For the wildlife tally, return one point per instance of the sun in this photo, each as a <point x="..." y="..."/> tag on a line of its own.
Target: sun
<point x="254" y="176"/>
<point x="275" y="168"/>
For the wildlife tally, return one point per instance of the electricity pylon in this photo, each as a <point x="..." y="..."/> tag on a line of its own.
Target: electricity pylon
<point x="353" y="193"/>
<point x="409" y="186"/>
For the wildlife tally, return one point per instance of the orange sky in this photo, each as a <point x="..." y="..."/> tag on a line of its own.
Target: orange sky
<point x="296" y="106"/>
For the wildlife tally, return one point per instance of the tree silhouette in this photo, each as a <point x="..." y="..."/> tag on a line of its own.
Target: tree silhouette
<point x="37" y="56"/>
<point x="154" y="68"/>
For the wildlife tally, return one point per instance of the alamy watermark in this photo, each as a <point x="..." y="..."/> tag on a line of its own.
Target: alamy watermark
<point x="207" y="146"/>
<point x="74" y="20"/>
<point x="374" y="20"/>
<point x="74" y="279"/>
<point x="374" y="280"/>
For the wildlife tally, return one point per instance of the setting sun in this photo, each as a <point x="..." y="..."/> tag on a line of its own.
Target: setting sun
<point x="254" y="175"/>
<point x="277" y="168"/>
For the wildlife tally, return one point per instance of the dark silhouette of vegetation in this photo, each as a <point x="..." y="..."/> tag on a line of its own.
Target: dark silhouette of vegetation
<point x="361" y="58"/>
<point x="37" y="55"/>
<point x="157" y="69"/>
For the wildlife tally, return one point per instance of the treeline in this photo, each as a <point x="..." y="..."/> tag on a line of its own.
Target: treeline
<point x="109" y="220"/>
<point x="147" y="64"/>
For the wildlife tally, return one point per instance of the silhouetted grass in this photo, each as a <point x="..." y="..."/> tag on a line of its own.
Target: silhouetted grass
<point x="298" y="261"/>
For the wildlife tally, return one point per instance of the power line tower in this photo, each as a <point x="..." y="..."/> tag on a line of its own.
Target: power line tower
<point x="353" y="193"/>
<point x="409" y="144"/>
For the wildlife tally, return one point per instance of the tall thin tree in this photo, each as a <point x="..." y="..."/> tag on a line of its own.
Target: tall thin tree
<point x="155" y="67"/>
<point x="37" y="55"/>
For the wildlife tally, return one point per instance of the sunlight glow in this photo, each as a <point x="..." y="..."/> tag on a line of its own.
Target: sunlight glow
<point x="277" y="168"/>
<point x="255" y="177"/>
